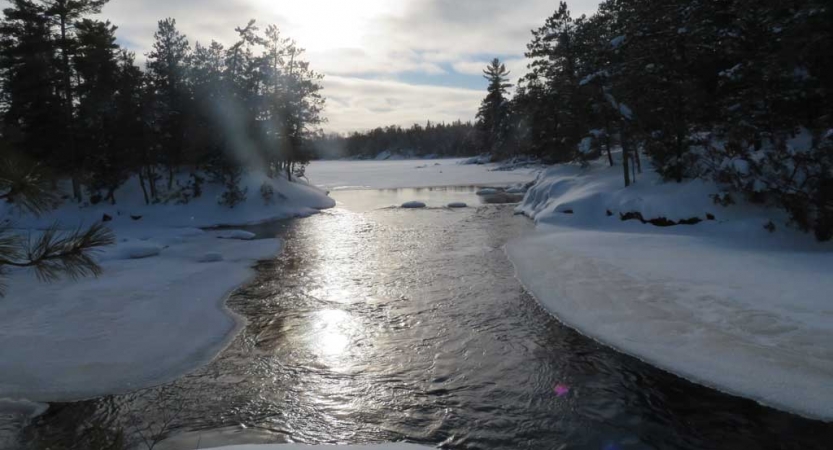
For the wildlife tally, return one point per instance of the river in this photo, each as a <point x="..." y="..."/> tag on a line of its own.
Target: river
<point x="383" y="324"/>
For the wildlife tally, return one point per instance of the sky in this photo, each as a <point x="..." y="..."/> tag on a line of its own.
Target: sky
<point x="385" y="62"/>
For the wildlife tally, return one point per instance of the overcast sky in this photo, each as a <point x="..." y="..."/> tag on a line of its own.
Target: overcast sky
<point x="385" y="61"/>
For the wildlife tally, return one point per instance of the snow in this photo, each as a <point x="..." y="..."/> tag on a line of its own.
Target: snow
<point x="210" y="257"/>
<point x="723" y="303"/>
<point x="585" y="146"/>
<point x="617" y="41"/>
<point x="237" y="234"/>
<point x="351" y="175"/>
<point x="413" y="205"/>
<point x="156" y="312"/>
<point x="481" y="159"/>
<point x="137" y="250"/>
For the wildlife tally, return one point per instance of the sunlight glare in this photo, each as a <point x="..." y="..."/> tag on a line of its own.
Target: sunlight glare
<point x="320" y="25"/>
<point x="331" y="336"/>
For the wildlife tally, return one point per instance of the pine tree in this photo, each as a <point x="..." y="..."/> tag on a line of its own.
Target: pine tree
<point x="32" y="109"/>
<point x="63" y="14"/>
<point x="52" y="253"/>
<point x="493" y="113"/>
<point x="168" y="66"/>
<point x="97" y="69"/>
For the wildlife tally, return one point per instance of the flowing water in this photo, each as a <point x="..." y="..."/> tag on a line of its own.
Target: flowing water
<point x="387" y="325"/>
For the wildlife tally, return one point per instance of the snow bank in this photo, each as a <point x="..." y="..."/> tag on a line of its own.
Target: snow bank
<point x="345" y="175"/>
<point x="237" y="234"/>
<point x="144" y="321"/>
<point x="723" y="303"/>
<point x="291" y="199"/>
<point x="134" y="250"/>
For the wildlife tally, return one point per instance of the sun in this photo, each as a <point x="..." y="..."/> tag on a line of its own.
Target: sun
<point x="320" y="25"/>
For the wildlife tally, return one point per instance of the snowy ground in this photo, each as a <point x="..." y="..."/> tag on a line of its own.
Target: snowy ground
<point x="343" y="175"/>
<point x="724" y="302"/>
<point x="156" y="312"/>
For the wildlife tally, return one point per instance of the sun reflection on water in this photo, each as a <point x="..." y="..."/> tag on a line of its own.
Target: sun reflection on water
<point x="331" y="335"/>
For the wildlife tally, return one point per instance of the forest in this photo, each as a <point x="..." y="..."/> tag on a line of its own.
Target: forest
<point x="77" y="105"/>
<point x="738" y="91"/>
<point x="79" y="118"/>
<point x="432" y="140"/>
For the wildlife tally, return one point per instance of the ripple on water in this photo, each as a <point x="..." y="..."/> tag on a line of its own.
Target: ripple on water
<point x="392" y="325"/>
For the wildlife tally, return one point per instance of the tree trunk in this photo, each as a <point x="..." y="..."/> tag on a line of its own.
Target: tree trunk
<point x="625" y="156"/>
<point x="607" y="145"/>
<point x="638" y="161"/>
<point x="679" y="165"/>
<point x="68" y="100"/>
<point x="142" y="184"/>
<point x="170" y="177"/>
<point x="152" y="182"/>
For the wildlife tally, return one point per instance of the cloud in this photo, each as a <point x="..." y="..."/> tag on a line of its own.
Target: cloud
<point x="428" y="41"/>
<point x="360" y="104"/>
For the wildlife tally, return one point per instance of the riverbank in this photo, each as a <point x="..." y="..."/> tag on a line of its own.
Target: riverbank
<point x="158" y="309"/>
<point x="732" y="297"/>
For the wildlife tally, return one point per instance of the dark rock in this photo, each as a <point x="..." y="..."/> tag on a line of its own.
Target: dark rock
<point x="662" y="222"/>
<point x="710" y="216"/>
<point x="691" y="221"/>
<point x="609" y="213"/>
<point x="106" y="218"/>
<point x="632" y="216"/>
<point x="770" y="227"/>
<point x="658" y="221"/>
<point x="136" y="217"/>
<point x="568" y="211"/>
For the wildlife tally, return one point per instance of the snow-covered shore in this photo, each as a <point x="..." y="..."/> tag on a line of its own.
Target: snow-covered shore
<point x="157" y="311"/>
<point x="725" y="302"/>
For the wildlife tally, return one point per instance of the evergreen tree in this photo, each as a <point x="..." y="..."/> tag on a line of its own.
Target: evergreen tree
<point x="493" y="113"/>
<point x="31" y="107"/>
<point x="168" y="66"/>
<point x="52" y="253"/>
<point x="97" y="69"/>
<point x="63" y="14"/>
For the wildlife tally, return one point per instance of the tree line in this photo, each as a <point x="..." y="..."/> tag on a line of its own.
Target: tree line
<point x="433" y="139"/>
<point x="737" y="91"/>
<point x="75" y="102"/>
<point x="75" y="106"/>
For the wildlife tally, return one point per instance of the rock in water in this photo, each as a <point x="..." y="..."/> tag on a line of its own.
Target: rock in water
<point x="413" y="205"/>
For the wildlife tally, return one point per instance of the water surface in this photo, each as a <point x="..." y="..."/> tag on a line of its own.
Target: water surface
<point x="389" y="325"/>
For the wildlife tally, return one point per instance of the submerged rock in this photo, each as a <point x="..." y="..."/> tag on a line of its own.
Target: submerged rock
<point x="413" y="205"/>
